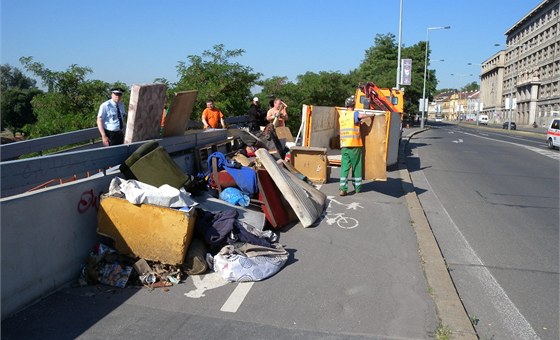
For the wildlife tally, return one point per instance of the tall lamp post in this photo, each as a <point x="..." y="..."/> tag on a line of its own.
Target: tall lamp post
<point x="399" y="49"/>
<point x="512" y="87"/>
<point x="478" y="109"/>
<point x="426" y="67"/>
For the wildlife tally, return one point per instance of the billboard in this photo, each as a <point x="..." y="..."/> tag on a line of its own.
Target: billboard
<point x="406" y="71"/>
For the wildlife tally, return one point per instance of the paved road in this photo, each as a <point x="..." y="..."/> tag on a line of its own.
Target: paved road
<point x="356" y="275"/>
<point x="492" y="199"/>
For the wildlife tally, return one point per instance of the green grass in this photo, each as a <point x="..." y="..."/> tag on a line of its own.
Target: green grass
<point x="443" y="332"/>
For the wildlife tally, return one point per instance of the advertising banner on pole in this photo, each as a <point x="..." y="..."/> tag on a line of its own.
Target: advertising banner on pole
<point x="406" y="71"/>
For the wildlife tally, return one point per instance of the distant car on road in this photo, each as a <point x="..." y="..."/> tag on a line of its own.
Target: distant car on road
<point x="513" y="125"/>
<point x="553" y="134"/>
<point x="483" y="119"/>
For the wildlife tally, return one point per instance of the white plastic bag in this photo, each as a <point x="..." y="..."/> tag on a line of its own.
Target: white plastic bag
<point x="235" y="266"/>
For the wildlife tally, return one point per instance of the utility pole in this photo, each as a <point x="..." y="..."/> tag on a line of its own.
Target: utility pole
<point x="399" y="49"/>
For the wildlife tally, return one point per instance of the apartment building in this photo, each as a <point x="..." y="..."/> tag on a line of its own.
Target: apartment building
<point x="523" y="79"/>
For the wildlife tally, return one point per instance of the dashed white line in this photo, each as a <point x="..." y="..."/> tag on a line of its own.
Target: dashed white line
<point x="237" y="296"/>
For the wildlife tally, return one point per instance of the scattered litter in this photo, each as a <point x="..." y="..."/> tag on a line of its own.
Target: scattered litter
<point x="115" y="275"/>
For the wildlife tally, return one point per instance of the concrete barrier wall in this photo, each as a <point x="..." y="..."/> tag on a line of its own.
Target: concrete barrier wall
<point x="46" y="236"/>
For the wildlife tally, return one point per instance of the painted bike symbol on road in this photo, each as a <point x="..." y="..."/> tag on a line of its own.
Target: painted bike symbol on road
<point x="340" y="218"/>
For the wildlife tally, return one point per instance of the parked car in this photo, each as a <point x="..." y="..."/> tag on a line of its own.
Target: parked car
<point x="483" y="119"/>
<point x="553" y="134"/>
<point x="513" y="125"/>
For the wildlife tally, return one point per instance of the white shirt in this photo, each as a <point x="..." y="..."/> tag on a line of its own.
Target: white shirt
<point x="109" y="116"/>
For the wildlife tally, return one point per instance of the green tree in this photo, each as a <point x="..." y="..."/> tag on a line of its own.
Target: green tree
<point x="413" y="92"/>
<point x="472" y="86"/>
<point x="17" y="90"/>
<point x="71" y="102"/>
<point x="325" y="88"/>
<point x="380" y="64"/>
<point x="216" y="77"/>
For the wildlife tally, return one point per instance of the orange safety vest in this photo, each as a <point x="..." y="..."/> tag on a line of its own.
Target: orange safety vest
<point x="349" y="132"/>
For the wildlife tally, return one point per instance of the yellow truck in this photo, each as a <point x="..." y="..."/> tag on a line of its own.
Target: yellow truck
<point x="381" y="132"/>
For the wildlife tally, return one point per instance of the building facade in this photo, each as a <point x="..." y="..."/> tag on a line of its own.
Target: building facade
<point x="491" y="87"/>
<point x="529" y="69"/>
<point x="473" y="106"/>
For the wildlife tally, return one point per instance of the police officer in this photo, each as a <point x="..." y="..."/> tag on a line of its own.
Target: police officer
<point x="110" y="119"/>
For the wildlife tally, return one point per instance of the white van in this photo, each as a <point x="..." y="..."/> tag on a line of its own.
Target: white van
<point x="553" y="134"/>
<point x="483" y="119"/>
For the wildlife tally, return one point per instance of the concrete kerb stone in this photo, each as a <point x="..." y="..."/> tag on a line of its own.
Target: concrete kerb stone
<point x="449" y="307"/>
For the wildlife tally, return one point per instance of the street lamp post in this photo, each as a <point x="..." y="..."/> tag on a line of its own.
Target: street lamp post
<point x="426" y="67"/>
<point x="399" y="49"/>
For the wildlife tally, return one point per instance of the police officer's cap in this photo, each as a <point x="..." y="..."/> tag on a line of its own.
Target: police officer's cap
<point x="117" y="90"/>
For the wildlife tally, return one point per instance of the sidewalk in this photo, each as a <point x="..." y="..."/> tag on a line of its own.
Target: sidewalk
<point x="356" y="274"/>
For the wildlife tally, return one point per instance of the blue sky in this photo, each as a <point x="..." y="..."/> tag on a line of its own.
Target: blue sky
<point x="138" y="41"/>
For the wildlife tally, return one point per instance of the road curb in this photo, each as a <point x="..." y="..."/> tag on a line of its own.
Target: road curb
<point x="449" y="307"/>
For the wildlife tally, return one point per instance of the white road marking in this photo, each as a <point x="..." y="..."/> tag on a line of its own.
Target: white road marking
<point x="507" y="311"/>
<point x="544" y="152"/>
<point x="237" y="296"/>
<point x="343" y="221"/>
<point x="458" y="141"/>
<point x="204" y="283"/>
<point x="483" y="134"/>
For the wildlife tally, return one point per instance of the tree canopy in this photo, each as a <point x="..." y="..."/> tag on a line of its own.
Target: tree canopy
<point x="71" y="101"/>
<point x="216" y="77"/>
<point x="17" y="90"/>
<point x="472" y="86"/>
<point x="380" y="64"/>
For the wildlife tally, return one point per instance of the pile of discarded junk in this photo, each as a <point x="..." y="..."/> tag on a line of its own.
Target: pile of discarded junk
<point x="157" y="224"/>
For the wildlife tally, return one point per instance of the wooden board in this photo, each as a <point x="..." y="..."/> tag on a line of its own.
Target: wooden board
<point x="283" y="132"/>
<point x="323" y="126"/>
<point x="177" y="118"/>
<point x="148" y="231"/>
<point x="374" y="132"/>
<point x="144" y="112"/>
<point x="311" y="162"/>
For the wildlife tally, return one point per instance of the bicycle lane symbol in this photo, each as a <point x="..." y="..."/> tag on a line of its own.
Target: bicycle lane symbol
<point x="340" y="218"/>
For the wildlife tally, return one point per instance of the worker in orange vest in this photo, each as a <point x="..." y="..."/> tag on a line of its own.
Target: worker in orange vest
<point x="351" y="147"/>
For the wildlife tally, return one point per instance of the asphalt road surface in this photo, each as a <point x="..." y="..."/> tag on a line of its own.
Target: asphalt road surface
<point x="492" y="200"/>
<point x="354" y="275"/>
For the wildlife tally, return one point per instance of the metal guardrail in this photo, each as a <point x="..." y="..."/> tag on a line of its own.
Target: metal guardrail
<point x="20" y="175"/>
<point x="15" y="150"/>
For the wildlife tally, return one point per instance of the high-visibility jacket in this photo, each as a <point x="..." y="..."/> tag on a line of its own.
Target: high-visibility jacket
<point x="349" y="131"/>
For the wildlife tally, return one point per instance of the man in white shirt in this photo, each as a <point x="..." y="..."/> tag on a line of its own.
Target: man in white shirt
<point x="110" y="119"/>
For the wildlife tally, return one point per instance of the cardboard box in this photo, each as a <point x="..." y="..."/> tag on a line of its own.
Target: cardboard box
<point x="148" y="231"/>
<point x="311" y="162"/>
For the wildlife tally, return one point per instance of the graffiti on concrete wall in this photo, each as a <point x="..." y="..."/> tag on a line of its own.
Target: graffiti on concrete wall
<point x="88" y="200"/>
